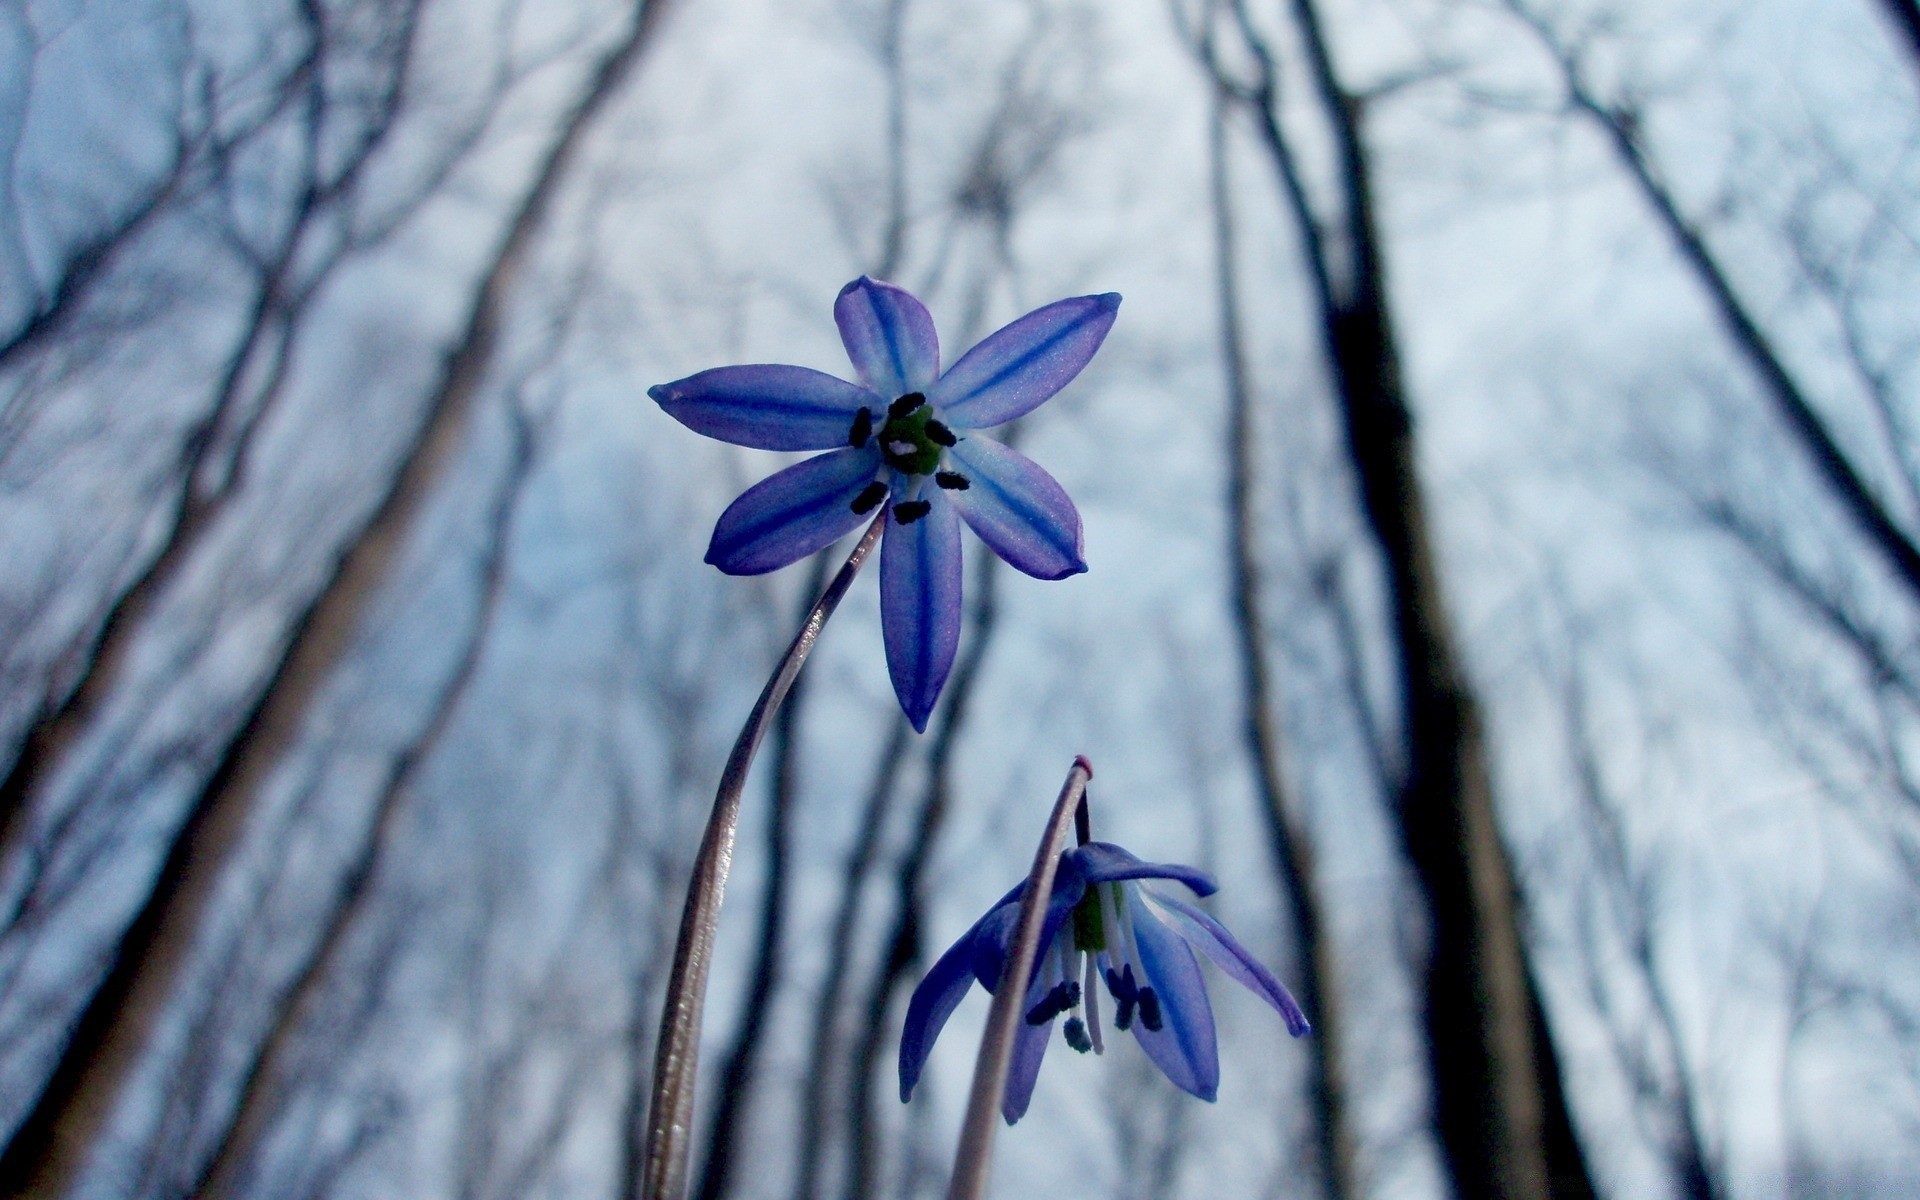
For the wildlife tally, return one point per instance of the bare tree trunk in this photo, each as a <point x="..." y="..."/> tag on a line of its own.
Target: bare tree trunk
<point x="257" y="1102"/>
<point x="1495" y="1092"/>
<point x="48" y="1151"/>
<point x="1315" y="961"/>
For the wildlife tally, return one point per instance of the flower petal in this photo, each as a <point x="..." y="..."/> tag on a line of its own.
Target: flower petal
<point x="1029" y="1048"/>
<point x="933" y="1002"/>
<point x="997" y="928"/>
<point x="1105" y="862"/>
<point x="1021" y="366"/>
<point x="889" y="335"/>
<point x="1017" y="508"/>
<point x="1184" y="1048"/>
<point x="789" y="515"/>
<point x="1230" y="956"/>
<point x="920" y="605"/>
<point x="767" y="407"/>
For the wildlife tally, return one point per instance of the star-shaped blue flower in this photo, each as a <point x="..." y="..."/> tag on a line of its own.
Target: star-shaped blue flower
<point x="1105" y="927"/>
<point x="906" y="435"/>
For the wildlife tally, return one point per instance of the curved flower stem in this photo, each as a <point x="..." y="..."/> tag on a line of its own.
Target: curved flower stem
<point x="975" y="1154"/>
<point x="676" y="1058"/>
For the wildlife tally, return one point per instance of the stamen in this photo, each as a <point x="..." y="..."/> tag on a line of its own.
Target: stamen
<point x="1150" y="1010"/>
<point x="1125" y="995"/>
<point x="1076" y="1034"/>
<point x="953" y="481"/>
<point x="870" y="496"/>
<point x="862" y="428"/>
<point x="1092" y="995"/>
<point x="908" y="511"/>
<point x="1061" y="998"/>
<point x="905" y="404"/>
<point x="940" y="435"/>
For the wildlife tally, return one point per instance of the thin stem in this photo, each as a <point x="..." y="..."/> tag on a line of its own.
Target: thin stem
<point x="975" y="1154"/>
<point x="677" y="1057"/>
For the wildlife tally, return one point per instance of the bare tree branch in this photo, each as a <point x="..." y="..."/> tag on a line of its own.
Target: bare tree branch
<point x="50" y="1146"/>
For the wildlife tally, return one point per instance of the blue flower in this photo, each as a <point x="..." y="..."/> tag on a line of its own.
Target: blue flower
<point x="1104" y="927"/>
<point x="906" y="434"/>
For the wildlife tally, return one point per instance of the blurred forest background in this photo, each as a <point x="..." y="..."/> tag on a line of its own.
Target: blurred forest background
<point x="1502" y="490"/>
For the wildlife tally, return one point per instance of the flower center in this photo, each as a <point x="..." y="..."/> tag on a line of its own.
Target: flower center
<point x="911" y="441"/>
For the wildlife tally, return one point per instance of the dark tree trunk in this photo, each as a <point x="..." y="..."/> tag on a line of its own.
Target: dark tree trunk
<point x="1314" y="957"/>
<point x="97" y="1061"/>
<point x="1498" y="1108"/>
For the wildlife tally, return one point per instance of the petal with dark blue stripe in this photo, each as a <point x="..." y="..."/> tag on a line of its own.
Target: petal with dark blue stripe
<point x="1021" y="366"/>
<point x="889" y="335"/>
<point x="1184" y="1047"/>
<point x="920" y="605"/>
<point x="1017" y="508"/>
<point x="767" y="407"/>
<point x="792" y="513"/>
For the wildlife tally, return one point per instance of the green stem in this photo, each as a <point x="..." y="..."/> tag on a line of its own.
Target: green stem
<point x="975" y="1155"/>
<point x="676" y="1059"/>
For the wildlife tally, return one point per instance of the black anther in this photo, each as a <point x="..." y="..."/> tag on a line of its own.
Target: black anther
<point x="905" y="404"/>
<point x="1057" y="1000"/>
<point x="870" y="496"/>
<point x="1076" y="1033"/>
<point x="1125" y="995"/>
<point x="940" y="435"/>
<point x="862" y="428"/>
<point x="953" y="481"/>
<point x="1150" y="1010"/>
<point x="908" y="511"/>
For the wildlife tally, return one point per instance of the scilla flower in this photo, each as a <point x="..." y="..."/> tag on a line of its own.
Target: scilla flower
<point x="1106" y="930"/>
<point x="906" y="438"/>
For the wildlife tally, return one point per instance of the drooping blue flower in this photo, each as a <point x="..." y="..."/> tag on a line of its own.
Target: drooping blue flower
<point x="1105" y="928"/>
<point x="906" y="435"/>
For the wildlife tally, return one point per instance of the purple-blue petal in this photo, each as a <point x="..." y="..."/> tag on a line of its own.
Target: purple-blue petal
<point x="920" y="605"/>
<point x="1105" y="862"/>
<point x="997" y="928"/>
<point x="767" y="407"/>
<point x="889" y="335"/>
<point x="792" y="513"/>
<point x="1019" y="367"/>
<point x="1029" y="1048"/>
<point x="1213" y="940"/>
<point x="933" y="1002"/>
<point x="1185" y="1047"/>
<point x="1017" y="508"/>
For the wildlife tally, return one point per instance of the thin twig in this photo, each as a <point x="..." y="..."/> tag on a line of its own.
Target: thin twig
<point x="677" y="1057"/>
<point x="975" y="1154"/>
